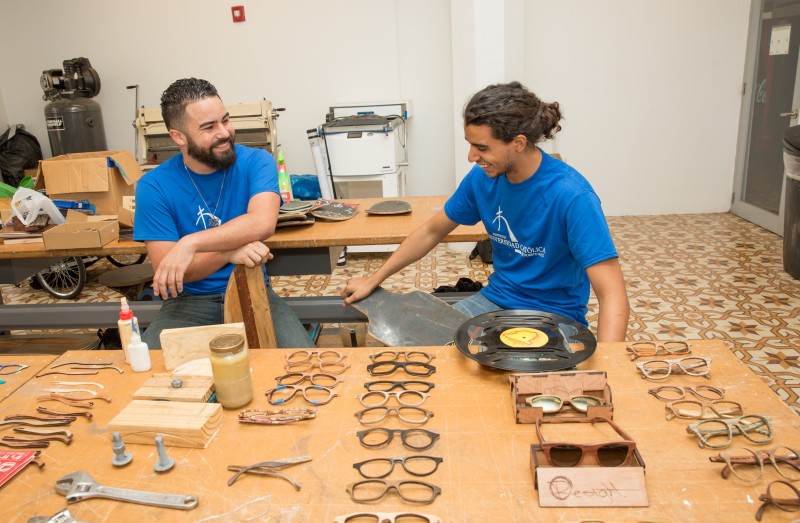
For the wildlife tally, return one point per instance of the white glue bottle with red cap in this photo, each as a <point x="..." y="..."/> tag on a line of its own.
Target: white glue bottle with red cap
<point x="127" y="324"/>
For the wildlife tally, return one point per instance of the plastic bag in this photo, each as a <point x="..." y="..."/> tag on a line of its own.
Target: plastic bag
<point x="27" y="205"/>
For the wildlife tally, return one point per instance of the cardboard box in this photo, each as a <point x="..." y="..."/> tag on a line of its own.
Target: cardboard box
<point x="589" y="486"/>
<point x="565" y="385"/>
<point x="82" y="231"/>
<point x="127" y="211"/>
<point x="102" y="177"/>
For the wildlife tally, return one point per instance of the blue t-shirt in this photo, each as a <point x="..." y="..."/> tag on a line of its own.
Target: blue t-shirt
<point x="168" y="206"/>
<point x="545" y="232"/>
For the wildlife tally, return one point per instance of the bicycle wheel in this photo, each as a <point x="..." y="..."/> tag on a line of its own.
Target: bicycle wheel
<point x="123" y="260"/>
<point x="65" y="279"/>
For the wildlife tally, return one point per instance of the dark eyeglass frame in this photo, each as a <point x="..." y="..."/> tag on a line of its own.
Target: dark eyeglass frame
<point x="402" y="397"/>
<point x="394" y="355"/>
<point x="397" y="410"/>
<point x="295" y="378"/>
<point x="758" y="457"/>
<point x="787" y="505"/>
<point x="733" y="427"/>
<point x="376" y="369"/>
<point x="19" y="368"/>
<point x="720" y="393"/>
<point x="299" y="388"/>
<point x="655" y="374"/>
<point x="370" y="386"/>
<point x="387" y="517"/>
<point x="673" y="409"/>
<point x="392" y="485"/>
<point x="646" y="349"/>
<point x="393" y="461"/>
<point x="591" y="449"/>
<point x="404" y="434"/>
<point x="564" y="402"/>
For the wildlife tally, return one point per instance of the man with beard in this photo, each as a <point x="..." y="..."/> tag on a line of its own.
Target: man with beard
<point x="550" y="240"/>
<point x="205" y="210"/>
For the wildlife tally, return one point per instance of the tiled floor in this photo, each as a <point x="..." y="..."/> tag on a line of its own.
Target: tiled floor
<point x="705" y="276"/>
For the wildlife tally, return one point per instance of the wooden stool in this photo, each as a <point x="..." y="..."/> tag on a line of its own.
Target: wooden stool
<point x="128" y="280"/>
<point x="246" y="301"/>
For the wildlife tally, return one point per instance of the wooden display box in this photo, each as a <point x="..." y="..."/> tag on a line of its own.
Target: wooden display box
<point x="589" y="486"/>
<point x="564" y="385"/>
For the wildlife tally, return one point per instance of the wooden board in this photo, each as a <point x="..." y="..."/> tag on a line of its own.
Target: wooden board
<point x="246" y="301"/>
<point x="190" y="343"/>
<point x="179" y="423"/>
<point x="159" y="387"/>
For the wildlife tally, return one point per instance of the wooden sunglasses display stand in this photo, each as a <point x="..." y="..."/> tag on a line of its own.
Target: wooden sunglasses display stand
<point x="565" y="385"/>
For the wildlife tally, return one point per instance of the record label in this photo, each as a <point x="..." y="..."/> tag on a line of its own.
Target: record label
<point x="524" y="338"/>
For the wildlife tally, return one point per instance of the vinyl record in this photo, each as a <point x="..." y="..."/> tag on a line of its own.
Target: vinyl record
<point x="525" y="340"/>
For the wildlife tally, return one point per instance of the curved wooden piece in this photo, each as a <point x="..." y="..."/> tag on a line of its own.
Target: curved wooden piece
<point x="246" y="302"/>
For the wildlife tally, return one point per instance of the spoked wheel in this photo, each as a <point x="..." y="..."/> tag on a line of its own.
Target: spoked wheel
<point x="123" y="260"/>
<point x="64" y="279"/>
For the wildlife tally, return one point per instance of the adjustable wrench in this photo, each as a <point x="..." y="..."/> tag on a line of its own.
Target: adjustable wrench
<point x="79" y="486"/>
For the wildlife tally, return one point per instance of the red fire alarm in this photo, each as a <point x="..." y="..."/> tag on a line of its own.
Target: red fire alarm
<point x="237" y="12"/>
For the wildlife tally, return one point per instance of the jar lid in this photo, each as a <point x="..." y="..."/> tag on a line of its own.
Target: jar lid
<point x="226" y="343"/>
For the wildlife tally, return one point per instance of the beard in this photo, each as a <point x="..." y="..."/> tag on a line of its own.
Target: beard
<point x="208" y="157"/>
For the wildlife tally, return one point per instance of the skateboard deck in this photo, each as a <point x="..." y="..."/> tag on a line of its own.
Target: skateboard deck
<point x="335" y="211"/>
<point x="414" y="319"/>
<point x="390" y="207"/>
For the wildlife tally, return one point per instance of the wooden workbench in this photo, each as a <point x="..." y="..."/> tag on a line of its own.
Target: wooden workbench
<point x="14" y="381"/>
<point x="485" y="475"/>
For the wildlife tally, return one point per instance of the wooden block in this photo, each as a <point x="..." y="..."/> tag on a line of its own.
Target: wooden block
<point x="190" y="343"/>
<point x="246" y="301"/>
<point x="179" y="423"/>
<point x="159" y="387"/>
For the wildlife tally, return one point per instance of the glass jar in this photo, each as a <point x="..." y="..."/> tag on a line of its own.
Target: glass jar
<point x="231" y="369"/>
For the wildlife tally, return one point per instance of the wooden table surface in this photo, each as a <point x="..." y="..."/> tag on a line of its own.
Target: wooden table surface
<point x="485" y="475"/>
<point x="35" y="364"/>
<point x="362" y="229"/>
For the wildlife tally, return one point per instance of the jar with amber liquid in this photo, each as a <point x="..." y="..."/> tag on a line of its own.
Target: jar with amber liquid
<point x="231" y="369"/>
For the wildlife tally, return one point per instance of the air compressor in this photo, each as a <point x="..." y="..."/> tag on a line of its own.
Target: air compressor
<point x="74" y="120"/>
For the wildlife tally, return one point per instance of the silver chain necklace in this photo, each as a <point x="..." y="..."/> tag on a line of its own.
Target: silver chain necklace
<point x="214" y="220"/>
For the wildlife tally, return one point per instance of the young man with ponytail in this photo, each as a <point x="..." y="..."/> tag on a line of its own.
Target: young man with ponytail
<point x="550" y="239"/>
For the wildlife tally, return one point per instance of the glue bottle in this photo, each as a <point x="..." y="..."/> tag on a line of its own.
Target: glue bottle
<point x="284" y="182"/>
<point x="127" y="324"/>
<point x="139" y="354"/>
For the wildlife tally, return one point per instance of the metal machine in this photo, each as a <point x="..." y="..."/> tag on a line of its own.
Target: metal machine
<point x="254" y="124"/>
<point x="74" y="120"/>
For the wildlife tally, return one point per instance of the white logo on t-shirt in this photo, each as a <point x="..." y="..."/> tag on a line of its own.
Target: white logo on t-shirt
<point x="512" y="241"/>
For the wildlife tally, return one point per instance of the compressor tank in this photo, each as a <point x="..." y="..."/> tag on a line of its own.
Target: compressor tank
<point x="75" y="125"/>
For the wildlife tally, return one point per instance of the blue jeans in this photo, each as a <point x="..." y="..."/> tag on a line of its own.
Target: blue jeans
<point x="190" y="310"/>
<point x="476" y="305"/>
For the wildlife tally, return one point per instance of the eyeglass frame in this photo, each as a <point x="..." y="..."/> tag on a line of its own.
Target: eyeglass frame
<point x="684" y="390"/>
<point x="427" y="413"/>
<point x="767" y="499"/>
<point x="308" y="376"/>
<point x="397" y="395"/>
<point x="634" y="353"/>
<point x="676" y="363"/>
<point x="299" y="388"/>
<point x="396" y="384"/>
<point x="564" y="402"/>
<point x="731" y="424"/>
<point x="325" y="367"/>
<point x="402" y="461"/>
<point x="401" y="365"/>
<point x="405" y="354"/>
<point x="403" y="434"/>
<point x="669" y="407"/>
<point x="309" y="355"/>
<point x="759" y="457"/>
<point x="628" y="441"/>
<point x="387" y="517"/>
<point x="4" y="366"/>
<point x="393" y="485"/>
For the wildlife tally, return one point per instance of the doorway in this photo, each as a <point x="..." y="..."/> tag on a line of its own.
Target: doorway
<point x="769" y="106"/>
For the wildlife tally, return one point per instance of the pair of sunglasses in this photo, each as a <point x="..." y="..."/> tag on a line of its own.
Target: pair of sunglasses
<point x="609" y="454"/>
<point x="550" y="404"/>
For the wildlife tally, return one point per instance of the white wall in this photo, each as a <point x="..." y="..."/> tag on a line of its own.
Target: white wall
<point x="304" y="55"/>
<point x="651" y="94"/>
<point x="3" y="115"/>
<point x="650" y="89"/>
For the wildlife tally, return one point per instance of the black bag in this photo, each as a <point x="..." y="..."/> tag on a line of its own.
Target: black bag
<point x="19" y="150"/>
<point x="483" y="249"/>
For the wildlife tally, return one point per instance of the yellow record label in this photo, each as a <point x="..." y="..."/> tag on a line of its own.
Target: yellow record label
<point x="524" y="338"/>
